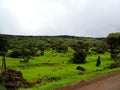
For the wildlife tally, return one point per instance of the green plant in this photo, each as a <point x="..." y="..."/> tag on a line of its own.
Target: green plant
<point x="79" y="57"/>
<point x="81" y="51"/>
<point x="113" y="40"/>
<point x="117" y="59"/>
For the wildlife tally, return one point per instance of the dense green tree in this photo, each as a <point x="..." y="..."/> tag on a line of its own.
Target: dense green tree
<point x="30" y="46"/>
<point x="3" y="50"/>
<point x="25" y="49"/>
<point x="113" y="40"/>
<point x="16" y="53"/>
<point x="42" y="46"/>
<point x="25" y="53"/>
<point x="59" y="45"/>
<point x="79" y="57"/>
<point x="21" y="52"/>
<point x="118" y="59"/>
<point x="81" y="46"/>
<point x="81" y="51"/>
<point x="99" y="46"/>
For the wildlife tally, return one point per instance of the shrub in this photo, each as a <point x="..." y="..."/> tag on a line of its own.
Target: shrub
<point x="117" y="59"/>
<point x="16" y="53"/>
<point x="99" y="50"/>
<point x="79" y="57"/>
<point x="80" y="54"/>
<point x="114" y="65"/>
<point x="98" y="61"/>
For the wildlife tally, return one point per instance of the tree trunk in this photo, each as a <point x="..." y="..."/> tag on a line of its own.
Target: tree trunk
<point x="3" y="64"/>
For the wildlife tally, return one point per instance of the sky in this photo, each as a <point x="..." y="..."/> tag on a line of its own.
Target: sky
<point x="89" y="18"/>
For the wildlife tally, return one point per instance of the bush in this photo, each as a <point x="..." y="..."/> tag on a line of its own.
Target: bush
<point x="60" y="47"/>
<point x="16" y="53"/>
<point x="98" y="62"/>
<point x="81" y="51"/>
<point x="114" y="65"/>
<point x="79" y="57"/>
<point x="98" y="50"/>
<point x="117" y="59"/>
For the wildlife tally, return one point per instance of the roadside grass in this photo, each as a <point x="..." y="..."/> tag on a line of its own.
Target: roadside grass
<point x="53" y="69"/>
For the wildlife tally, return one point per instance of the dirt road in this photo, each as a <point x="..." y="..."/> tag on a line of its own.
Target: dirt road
<point x="107" y="82"/>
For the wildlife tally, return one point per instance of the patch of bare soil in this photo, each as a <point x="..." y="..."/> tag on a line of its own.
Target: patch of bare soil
<point x="108" y="82"/>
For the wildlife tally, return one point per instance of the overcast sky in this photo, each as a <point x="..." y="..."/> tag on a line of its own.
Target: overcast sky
<point x="94" y="18"/>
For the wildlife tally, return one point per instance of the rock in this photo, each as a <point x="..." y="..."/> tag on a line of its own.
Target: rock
<point x="80" y="68"/>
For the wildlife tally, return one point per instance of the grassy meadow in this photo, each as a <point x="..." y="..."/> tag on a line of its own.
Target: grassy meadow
<point x="53" y="70"/>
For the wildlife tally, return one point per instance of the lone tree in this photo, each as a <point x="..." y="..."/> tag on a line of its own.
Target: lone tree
<point x="113" y="40"/>
<point x="3" y="50"/>
<point x="81" y="51"/>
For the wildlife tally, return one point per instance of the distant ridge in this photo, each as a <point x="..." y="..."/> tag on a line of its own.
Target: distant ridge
<point x="62" y="36"/>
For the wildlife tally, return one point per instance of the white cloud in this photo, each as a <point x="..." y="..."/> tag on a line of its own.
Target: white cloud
<point x="55" y="17"/>
<point x="83" y="3"/>
<point x="35" y="14"/>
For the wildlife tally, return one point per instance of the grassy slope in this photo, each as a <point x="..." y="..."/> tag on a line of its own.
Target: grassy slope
<point x="53" y="70"/>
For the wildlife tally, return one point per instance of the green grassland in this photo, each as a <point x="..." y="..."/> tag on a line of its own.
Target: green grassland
<point x="54" y="70"/>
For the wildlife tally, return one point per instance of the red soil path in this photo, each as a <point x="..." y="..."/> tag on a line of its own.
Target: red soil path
<point x="107" y="82"/>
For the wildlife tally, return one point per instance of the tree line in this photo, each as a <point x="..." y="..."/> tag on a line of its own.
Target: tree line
<point x="26" y="47"/>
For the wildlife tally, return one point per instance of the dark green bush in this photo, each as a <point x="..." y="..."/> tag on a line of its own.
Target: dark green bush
<point x="16" y="53"/>
<point x="81" y="51"/>
<point x="79" y="57"/>
<point x="98" y="62"/>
